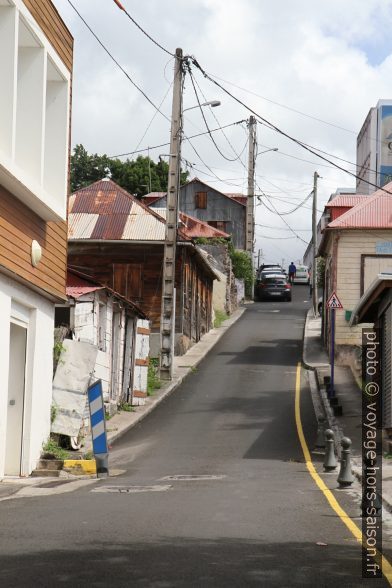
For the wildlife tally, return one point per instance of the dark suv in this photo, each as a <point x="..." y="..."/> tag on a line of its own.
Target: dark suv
<point x="273" y="286"/>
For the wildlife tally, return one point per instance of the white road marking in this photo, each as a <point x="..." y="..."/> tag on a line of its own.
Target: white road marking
<point x="132" y="489"/>
<point x="192" y="478"/>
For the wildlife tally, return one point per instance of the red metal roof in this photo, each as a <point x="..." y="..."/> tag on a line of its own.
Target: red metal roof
<point x="237" y="196"/>
<point x="194" y="228"/>
<point x="373" y="212"/>
<point x="346" y="200"/>
<point x="77" y="286"/>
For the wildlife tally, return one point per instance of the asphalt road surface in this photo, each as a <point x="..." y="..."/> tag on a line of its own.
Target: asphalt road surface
<point x="247" y="512"/>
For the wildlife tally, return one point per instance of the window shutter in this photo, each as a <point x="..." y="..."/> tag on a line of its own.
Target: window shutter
<point x="201" y="199"/>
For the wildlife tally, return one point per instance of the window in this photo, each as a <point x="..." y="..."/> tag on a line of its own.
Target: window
<point x="201" y="200"/>
<point x="62" y="316"/>
<point x="220" y="225"/>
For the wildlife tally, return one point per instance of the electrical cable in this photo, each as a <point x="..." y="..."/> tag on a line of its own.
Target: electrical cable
<point x="281" y="132"/>
<point x="166" y="144"/>
<point x="121" y="7"/>
<point x="153" y="117"/>
<point x="117" y="63"/>
<point x="205" y="120"/>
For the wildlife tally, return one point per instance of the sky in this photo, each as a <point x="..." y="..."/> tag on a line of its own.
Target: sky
<point x="313" y="69"/>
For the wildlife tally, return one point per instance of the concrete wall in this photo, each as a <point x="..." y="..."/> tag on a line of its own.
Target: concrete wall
<point x="38" y="315"/>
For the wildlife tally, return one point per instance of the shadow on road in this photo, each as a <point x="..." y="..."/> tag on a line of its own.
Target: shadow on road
<point x="183" y="563"/>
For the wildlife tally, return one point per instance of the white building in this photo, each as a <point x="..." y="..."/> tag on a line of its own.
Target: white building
<point x="374" y="148"/>
<point x="35" y="78"/>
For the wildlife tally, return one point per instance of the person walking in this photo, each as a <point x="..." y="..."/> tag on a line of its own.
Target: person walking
<point x="292" y="272"/>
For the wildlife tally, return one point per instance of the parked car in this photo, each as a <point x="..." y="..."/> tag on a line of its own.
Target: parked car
<point x="273" y="286"/>
<point x="302" y="275"/>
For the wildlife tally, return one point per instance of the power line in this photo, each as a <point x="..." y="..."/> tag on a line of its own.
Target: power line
<point x="153" y="117"/>
<point x="205" y="120"/>
<point x="117" y="63"/>
<point x="166" y="144"/>
<point x="281" y="132"/>
<point x="121" y="7"/>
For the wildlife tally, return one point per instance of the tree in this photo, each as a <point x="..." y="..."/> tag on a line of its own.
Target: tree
<point x="136" y="176"/>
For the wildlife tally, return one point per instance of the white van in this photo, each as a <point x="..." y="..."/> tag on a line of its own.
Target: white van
<point x="302" y="275"/>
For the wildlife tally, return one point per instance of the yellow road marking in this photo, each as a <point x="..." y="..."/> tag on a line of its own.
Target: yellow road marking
<point x="353" y="528"/>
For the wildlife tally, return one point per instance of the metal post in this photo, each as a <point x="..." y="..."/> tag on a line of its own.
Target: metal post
<point x="315" y="245"/>
<point x="169" y="257"/>
<point x="332" y="385"/>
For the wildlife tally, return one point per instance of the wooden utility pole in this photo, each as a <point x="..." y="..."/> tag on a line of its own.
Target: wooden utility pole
<point x="251" y="187"/>
<point x="315" y="245"/>
<point x="167" y="328"/>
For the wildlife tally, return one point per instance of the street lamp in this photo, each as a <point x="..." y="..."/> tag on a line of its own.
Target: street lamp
<point x="212" y="103"/>
<point x="267" y="150"/>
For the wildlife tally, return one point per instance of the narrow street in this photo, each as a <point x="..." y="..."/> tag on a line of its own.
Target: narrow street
<point x="254" y="518"/>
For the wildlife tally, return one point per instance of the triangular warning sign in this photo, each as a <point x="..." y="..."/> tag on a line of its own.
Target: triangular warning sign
<point x="334" y="302"/>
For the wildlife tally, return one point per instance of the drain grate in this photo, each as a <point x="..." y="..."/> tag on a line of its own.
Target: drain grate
<point x="131" y="489"/>
<point x="193" y="478"/>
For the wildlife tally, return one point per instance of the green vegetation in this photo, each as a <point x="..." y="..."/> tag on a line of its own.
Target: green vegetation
<point x="210" y="241"/>
<point x="220" y="317"/>
<point x="126" y="407"/>
<point x="132" y="175"/>
<point x="53" y="413"/>
<point x="242" y="268"/>
<point x="153" y="381"/>
<point x="53" y="448"/>
<point x="320" y="264"/>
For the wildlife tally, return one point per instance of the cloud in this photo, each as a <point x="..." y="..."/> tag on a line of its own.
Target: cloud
<point x="322" y="62"/>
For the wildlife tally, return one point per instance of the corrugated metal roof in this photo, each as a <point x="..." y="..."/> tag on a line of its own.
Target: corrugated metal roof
<point x="194" y="228"/>
<point x="373" y="212"/>
<point x="346" y="200"/>
<point x="77" y="286"/>
<point x="152" y="197"/>
<point x="106" y="211"/>
<point x="241" y="198"/>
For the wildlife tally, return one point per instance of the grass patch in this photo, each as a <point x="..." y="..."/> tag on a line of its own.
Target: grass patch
<point x="220" y="317"/>
<point x="126" y="407"/>
<point x="53" y="448"/>
<point x="153" y="381"/>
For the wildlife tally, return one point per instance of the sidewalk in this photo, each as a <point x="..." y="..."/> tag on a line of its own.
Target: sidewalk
<point x="349" y="424"/>
<point x="122" y="422"/>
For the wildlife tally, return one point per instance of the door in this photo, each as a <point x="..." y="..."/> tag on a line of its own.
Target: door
<point x="16" y="396"/>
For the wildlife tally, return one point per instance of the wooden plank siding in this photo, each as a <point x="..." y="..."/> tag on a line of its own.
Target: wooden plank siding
<point x="193" y="284"/>
<point x="352" y="246"/>
<point x="19" y="226"/>
<point x="53" y="27"/>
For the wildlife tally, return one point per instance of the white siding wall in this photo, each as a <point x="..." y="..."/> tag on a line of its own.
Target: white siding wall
<point x="39" y="369"/>
<point x="353" y="244"/>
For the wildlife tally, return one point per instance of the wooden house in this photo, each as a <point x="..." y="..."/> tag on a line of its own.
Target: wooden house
<point x="117" y="240"/>
<point x="35" y="72"/>
<point x="223" y="211"/>
<point x="357" y="246"/>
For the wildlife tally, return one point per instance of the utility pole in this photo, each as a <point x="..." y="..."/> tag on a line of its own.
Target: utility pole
<point x="250" y="202"/>
<point x="167" y="327"/>
<point x="315" y="245"/>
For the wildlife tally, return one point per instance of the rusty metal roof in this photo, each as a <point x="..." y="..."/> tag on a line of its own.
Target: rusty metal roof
<point x="194" y="228"/>
<point x="105" y="211"/>
<point x="373" y="212"/>
<point x="237" y="196"/>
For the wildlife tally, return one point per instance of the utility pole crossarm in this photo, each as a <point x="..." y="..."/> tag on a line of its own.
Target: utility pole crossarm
<point x="167" y="330"/>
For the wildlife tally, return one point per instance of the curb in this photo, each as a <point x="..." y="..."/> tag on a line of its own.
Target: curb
<point x="167" y="390"/>
<point x="323" y="409"/>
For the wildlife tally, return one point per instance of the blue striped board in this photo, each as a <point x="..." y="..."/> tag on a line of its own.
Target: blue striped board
<point x="97" y="418"/>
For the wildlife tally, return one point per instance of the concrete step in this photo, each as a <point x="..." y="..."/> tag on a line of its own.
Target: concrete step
<point x="45" y="473"/>
<point x="50" y="464"/>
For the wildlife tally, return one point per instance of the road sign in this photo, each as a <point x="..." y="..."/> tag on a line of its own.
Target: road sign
<point x="334" y="302"/>
<point x="98" y="428"/>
